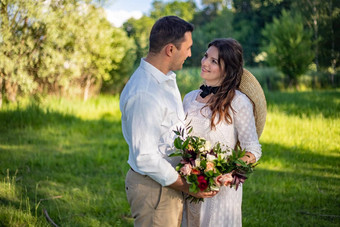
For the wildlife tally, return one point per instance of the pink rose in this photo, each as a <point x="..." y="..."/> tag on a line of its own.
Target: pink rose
<point x="210" y="166"/>
<point x="186" y="169"/>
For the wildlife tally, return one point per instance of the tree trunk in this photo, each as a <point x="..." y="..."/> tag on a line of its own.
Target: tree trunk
<point x="1" y="80"/>
<point x="316" y="35"/>
<point x="315" y="17"/>
<point x="11" y="90"/>
<point x="87" y="87"/>
<point x="333" y="57"/>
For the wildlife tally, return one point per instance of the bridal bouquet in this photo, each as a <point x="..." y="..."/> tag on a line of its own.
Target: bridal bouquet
<point x="206" y="167"/>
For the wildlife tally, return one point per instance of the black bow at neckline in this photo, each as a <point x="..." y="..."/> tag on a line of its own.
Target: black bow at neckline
<point x="207" y="90"/>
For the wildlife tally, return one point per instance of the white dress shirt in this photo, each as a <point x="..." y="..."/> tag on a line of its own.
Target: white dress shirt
<point x="151" y="107"/>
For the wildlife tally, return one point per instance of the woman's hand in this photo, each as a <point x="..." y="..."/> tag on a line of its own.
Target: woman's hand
<point x="248" y="158"/>
<point x="203" y="195"/>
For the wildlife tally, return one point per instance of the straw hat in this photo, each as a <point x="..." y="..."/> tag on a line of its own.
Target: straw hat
<point x="252" y="88"/>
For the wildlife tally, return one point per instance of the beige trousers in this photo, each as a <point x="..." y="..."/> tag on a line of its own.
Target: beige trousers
<point x="151" y="204"/>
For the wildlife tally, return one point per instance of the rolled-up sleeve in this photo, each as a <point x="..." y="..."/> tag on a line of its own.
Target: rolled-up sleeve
<point x="142" y="116"/>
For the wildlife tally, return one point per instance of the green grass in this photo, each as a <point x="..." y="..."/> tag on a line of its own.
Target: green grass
<point x="69" y="158"/>
<point x="297" y="182"/>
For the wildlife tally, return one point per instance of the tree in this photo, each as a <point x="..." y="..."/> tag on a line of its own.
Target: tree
<point x="288" y="45"/>
<point x="20" y="38"/>
<point x="219" y="27"/>
<point x="250" y="17"/>
<point x="54" y="46"/>
<point x="122" y="63"/>
<point x="322" y="17"/>
<point x="139" y="31"/>
<point x="184" y="10"/>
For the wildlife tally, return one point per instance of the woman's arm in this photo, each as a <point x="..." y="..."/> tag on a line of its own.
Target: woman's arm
<point x="244" y="121"/>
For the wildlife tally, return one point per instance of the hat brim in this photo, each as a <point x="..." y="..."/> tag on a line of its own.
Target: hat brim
<point x="252" y="88"/>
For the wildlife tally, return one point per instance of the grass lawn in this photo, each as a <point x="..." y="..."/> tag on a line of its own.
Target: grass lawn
<point x="68" y="159"/>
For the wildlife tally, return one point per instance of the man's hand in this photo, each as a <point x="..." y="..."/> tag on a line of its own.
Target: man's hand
<point x="181" y="185"/>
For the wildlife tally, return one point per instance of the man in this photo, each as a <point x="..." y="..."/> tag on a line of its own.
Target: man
<point x="151" y="109"/>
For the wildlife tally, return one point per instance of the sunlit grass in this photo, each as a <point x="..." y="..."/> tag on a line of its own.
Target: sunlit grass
<point x="68" y="157"/>
<point x="71" y="160"/>
<point x="297" y="182"/>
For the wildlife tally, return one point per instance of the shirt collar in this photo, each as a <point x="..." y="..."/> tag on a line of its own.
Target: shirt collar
<point x="156" y="73"/>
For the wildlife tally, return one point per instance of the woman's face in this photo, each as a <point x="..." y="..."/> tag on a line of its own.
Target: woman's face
<point x="210" y="69"/>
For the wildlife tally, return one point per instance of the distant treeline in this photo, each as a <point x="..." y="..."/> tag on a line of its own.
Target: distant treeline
<point x="69" y="48"/>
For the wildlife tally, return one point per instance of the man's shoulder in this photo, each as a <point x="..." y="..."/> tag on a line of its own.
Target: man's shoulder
<point x="139" y="80"/>
<point x="141" y="83"/>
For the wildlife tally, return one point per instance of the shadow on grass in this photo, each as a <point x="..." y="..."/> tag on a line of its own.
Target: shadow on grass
<point x="293" y="187"/>
<point x="76" y="169"/>
<point x="310" y="103"/>
<point x="71" y="167"/>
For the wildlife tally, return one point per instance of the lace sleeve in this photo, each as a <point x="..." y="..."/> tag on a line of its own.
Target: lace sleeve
<point x="245" y="126"/>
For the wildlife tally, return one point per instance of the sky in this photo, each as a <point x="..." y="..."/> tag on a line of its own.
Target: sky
<point x="118" y="11"/>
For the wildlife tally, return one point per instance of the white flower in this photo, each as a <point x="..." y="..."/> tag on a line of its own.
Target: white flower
<point x="224" y="155"/>
<point x="214" y="188"/>
<point x="207" y="146"/>
<point x="197" y="162"/>
<point x="202" y="150"/>
<point x="210" y="157"/>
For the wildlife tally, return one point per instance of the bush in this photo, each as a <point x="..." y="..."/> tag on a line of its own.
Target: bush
<point x="325" y="80"/>
<point x="288" y="46"/>
<point x="269" y="78"/>
<point x="189" y="79"/>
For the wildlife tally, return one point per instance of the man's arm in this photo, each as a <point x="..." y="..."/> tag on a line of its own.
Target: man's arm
<point x="142" y="128"/>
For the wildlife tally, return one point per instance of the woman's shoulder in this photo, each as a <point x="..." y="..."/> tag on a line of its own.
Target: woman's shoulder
<point x="191" y="96"/>
<point x="241" y="99"/>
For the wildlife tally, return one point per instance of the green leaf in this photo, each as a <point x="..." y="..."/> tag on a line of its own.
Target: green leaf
<point x="177" y="143"/>
<point x="185" y="144"/>
<point x="175" y="154"/>
<point x="241" y="162"/>
<point x="190" y="130"/>
<point x="193" y="188"/>
<point x="177" y="132"/>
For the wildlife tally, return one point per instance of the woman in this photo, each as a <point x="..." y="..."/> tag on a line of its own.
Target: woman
<point x="220" y="112"/>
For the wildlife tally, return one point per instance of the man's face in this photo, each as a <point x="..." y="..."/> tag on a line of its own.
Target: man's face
<point x="180" y="55"/>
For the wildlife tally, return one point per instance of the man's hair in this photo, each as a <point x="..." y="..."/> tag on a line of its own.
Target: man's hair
<point x="168" y="29"/>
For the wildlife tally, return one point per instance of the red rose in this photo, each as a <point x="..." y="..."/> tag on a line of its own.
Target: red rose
<point x="202" y="183"/>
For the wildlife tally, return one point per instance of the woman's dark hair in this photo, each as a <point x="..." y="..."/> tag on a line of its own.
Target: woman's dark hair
<point x="230" y="53"/>
<point x="168" y="29"/>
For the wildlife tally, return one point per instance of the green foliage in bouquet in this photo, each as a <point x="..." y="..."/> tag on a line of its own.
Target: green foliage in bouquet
<point x="206" y="167"/>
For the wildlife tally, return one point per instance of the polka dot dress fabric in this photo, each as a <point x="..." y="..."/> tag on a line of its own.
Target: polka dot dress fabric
<point x="223" y="210"/>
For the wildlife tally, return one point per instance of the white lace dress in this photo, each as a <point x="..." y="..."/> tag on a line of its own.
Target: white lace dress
<point x="225" y="208"/>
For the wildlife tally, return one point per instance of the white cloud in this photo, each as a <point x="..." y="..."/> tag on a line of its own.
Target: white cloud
<point x="118" y="17"/>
